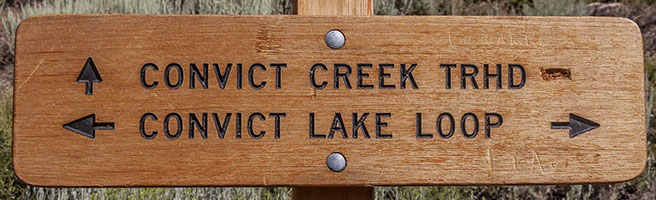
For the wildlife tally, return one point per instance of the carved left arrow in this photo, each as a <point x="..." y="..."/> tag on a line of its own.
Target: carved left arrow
<point x="87" y="126"/>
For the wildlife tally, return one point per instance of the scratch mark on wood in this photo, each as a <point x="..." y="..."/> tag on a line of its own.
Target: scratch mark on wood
<point x="33" y="71"/>
<point x="489" y="164"/>
<point x="536" y="157"/>
<point x="514" y="41"/>
<point x="450" y="39"/>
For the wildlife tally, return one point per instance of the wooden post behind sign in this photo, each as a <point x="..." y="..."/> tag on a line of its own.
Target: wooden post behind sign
<point x="333" y="7"/>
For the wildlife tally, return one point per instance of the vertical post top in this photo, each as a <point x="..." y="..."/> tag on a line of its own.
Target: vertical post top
<point x="335" y="7"/>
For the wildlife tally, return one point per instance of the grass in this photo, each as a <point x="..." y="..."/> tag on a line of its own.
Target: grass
<point x="161" y="193"/>
<point x="11" y="188"/>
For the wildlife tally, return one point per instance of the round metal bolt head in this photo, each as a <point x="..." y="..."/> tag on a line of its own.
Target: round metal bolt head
<point x="335" y="39"/>
<point x="336" y="162"/>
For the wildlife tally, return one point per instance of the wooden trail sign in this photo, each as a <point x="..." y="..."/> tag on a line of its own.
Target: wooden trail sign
<point x="118" y="100"/>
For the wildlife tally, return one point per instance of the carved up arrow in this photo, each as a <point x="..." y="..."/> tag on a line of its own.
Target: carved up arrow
<point x="577" y="125"/>
<point x="88" y="75"/>
<point x="87" y="126"/>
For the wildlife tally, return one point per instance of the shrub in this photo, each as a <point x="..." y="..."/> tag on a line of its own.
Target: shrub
<point x="556" y="8"/>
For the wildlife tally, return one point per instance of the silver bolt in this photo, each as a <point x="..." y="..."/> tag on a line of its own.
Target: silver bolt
<point x="335" y="39"/>
<point x="336" y="162"/>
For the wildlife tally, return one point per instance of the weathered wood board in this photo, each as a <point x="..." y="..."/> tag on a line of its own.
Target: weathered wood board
<point x="69" y="67"/>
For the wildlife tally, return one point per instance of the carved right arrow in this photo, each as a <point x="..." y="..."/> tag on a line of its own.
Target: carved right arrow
<point x="577" y="125"/>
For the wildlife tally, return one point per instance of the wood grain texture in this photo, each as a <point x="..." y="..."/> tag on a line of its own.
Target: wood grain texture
<point x="604" y="56"/>
<point x="335" y="7"/>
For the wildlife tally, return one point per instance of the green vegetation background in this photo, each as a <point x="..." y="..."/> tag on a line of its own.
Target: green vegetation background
<point x="641" y="11"/>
